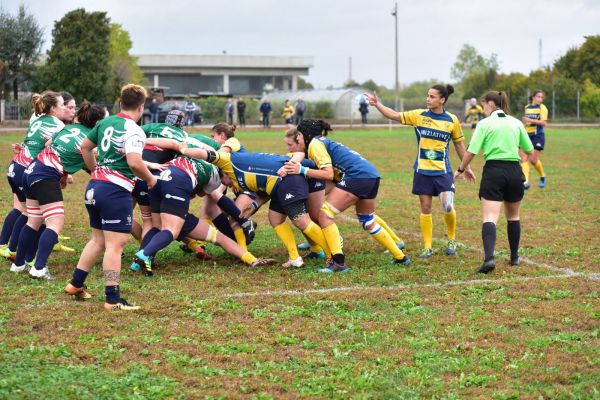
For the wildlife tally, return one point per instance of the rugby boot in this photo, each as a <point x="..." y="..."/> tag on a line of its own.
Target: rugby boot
<point x="122" y="305"/>
<point x="79" y="294"/>
<point x="487" y="267"/>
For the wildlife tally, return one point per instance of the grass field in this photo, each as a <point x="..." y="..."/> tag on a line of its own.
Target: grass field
<point x="433" y="330"/>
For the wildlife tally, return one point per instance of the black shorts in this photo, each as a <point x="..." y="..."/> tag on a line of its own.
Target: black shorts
<point x="502" y="181"/>
<point x="291" y="189"/>
<point x="366" y="188"/>
<point x="172" y="192"/>
<point x="46" y="191"/>
<point x="538" y="140"/>
<point x="158" y="156"/>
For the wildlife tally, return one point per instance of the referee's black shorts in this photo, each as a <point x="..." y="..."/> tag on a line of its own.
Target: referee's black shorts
<point x="502" y="181"/>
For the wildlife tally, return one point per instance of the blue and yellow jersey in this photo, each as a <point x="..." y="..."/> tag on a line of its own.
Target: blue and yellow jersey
<point x="434" y="132"/>
<point x="540" y="113"/>
<point x="254" y="172"/>
<point x="234" y="145"/>
<point x="346" y="163"/>
<point x="474" y="114"/>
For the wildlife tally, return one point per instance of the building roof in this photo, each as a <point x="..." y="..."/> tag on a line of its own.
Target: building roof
<point x="222" y="61"/>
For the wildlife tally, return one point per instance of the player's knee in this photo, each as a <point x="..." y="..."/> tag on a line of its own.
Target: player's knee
<point x="211" y="234"/>
<point x="329" y="210"/>
<point x="368" y="223"/>
<point x="447" y="201"/>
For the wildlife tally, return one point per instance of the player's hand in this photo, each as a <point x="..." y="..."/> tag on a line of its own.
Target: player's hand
<point x="70" y="179"/>
<point x="16" y="148"/>
<point x="182" y="146"/>
<point x="469" y="176"/>
<point x="155" y="166"/>
<point x="292" y="168"/>
<point x="371" y="99"/>
<point x="527" y="120"/>
<point x="282" y="172"/>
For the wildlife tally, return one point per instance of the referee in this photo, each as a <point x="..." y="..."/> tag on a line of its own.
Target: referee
<point x="500" y="136"/>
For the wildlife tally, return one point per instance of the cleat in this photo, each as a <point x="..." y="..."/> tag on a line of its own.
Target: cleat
<point x="41" y="274"/>
<point x="515" y="261"/>
<point x="426" y="253"/>
<point x="201" y="253"/>
<point x="79" y="294"/>
<point x="316" y="254"/>
<point x="61" y="247"/>
<point x="17" y="268"/>
<point x="542" y="182"/>
<point x="145" y="262"/>
<point x="304" y="246"/>
<point x="296" y="263"/>
<point x="122" y="305"/>
<point x="486" y="267"/>
<point x="263" y="262"/>
<point x="400" y="246"/>
<point x="526" y="185"/>
<point x="135" y="267"/>
<point x="249" y="228"/>
<point x="334" y="267"/>
<point x="451" y="247"/>
<point x="7" y="253"/>
<point x="61" y="237"/>
<point x="185" y="248"/>
<point x="403" y="261"/>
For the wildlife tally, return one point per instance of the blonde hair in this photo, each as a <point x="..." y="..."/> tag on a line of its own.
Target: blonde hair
<point x="43" y="102"/>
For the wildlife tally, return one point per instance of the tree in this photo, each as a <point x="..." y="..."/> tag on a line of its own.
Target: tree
<point x="123" y="66"/>
<point x="78" y="61"/>
<point x="303" y="84"/>
<point x="469" y="60"/>
<point x="582" y="63"/>
<point x="20" y="47"/>
<point x="350" y="83"/>
<point x="590" y="100"/>
<point x="372" y="86"/>
<point x="417" y="90"/>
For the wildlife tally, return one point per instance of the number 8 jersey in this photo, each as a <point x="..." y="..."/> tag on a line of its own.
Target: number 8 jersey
<point x="116" y="136"/>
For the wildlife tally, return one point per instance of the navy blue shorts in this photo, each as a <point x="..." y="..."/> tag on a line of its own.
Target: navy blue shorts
<point x="141" y="193"/>
<point x="172" y="192"/>
<point x="432" y="185"/>
<point x="366" y="188"/>
<point x="291" y="189"/>
<point x="315" y="185"/>
<point x="190" y="223"/>
<point x="109" y="206"/>
<point x="42" y="183"/>
<point x="538" y="140"/>
<point x="16" y="174"/>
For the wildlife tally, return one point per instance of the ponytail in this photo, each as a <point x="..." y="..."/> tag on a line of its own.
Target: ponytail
<point x="444" y="91"/>
<point x="89" y="114"/>
<point x="500" y="99"/>
<point x="43" y="102"/>
<point x="222" y="127"/>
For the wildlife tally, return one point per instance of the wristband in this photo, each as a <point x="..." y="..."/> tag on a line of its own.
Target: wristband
<point x="255" y="205"/>
<point x="460" y="171"/>
<point x="303" y="170"/>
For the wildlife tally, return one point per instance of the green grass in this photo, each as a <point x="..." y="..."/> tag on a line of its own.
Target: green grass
<point x="407" y="334"/>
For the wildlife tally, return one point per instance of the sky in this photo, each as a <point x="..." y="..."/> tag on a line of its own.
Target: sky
<point x="430" y="33"/>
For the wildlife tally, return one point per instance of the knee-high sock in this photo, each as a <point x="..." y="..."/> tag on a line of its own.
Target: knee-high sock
<point x="513" y="229"/>
<point x="48" y="239"/>
<point x="389" y="230"/>
<point x="148" y="237"/>
<point x="315" y="233"/>
<point x="450" y="220"/>
<point x="16" y="231"/>
<point x="525" y="168"/>
<point x="285" y="234"/>
<point x="222" y="224"/>
<point x="332" y="236"/>
<point x="248" y="258"/>
<point x="426" y="221"/>
<point x="7" y="227"/>
<point x="26" y="240"/>
<point x="539" y="168"/>
<point x="158" y="242"/>
<point x="383" y="238"/>
<point x="488" y="234"/>
<point x="32" y="250"/>
<point x="112" y="293"/>
<point x="78" y="277"/>
<point x="230" y="208"/>
<point x="240" y="238"/>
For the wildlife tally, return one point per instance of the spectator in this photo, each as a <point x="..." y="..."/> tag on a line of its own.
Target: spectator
<point x="300" y="109"/>
<point x="265" y="110"/>
<point x="241" y="108"/>
<point x="175" y="106"/>
<point x="189" y="109"/>
<point x="363" y="108"/>
<point x="230" y="109"/>
<point x="153" y="111"/>
<point x="288" y="113"/>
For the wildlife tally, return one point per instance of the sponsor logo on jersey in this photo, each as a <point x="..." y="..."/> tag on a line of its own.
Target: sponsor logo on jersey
<point x="430" y="154"/>
<point x="289" y="196"/>
<point x="318" y="184"/>
<point x="165" y="175"/>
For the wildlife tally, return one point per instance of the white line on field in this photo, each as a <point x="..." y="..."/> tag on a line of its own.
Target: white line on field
<point x="472" y="282"/>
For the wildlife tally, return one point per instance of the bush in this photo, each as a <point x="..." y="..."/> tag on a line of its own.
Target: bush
<point x="320" y="109"/>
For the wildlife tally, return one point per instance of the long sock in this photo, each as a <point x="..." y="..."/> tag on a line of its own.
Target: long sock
<point x="383" y="237"/>
<point x="525" y="168"/>
<point x="389" y="230"/>
<point x="32" y="250"/>
<point x="332" y="236"/>
<point x="450" y="220"/>
<point x="79" y="277"/>
<point x="16" y="231"/>
<point x="315" y="248"/>
<point x="47" y="241"/>
<point x="26" y="240"/>
<point x="222" y="224"/>
<point x="248" y="258"/>
<point x="113" y="294"/>
<point x="539" y="168"/>
<point x="513" y="229"/>
<point x="240" y="238"/>
<point x="148" y="237"/>
<point x="426" y="229"/>
<point x="285" y="234"/>
<point x="488" y="234"/>
<point x="158" y="242"/>
<point x="7" y="227"/>
<point x="315" y="233"/>
<point x="229" y="207"/>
